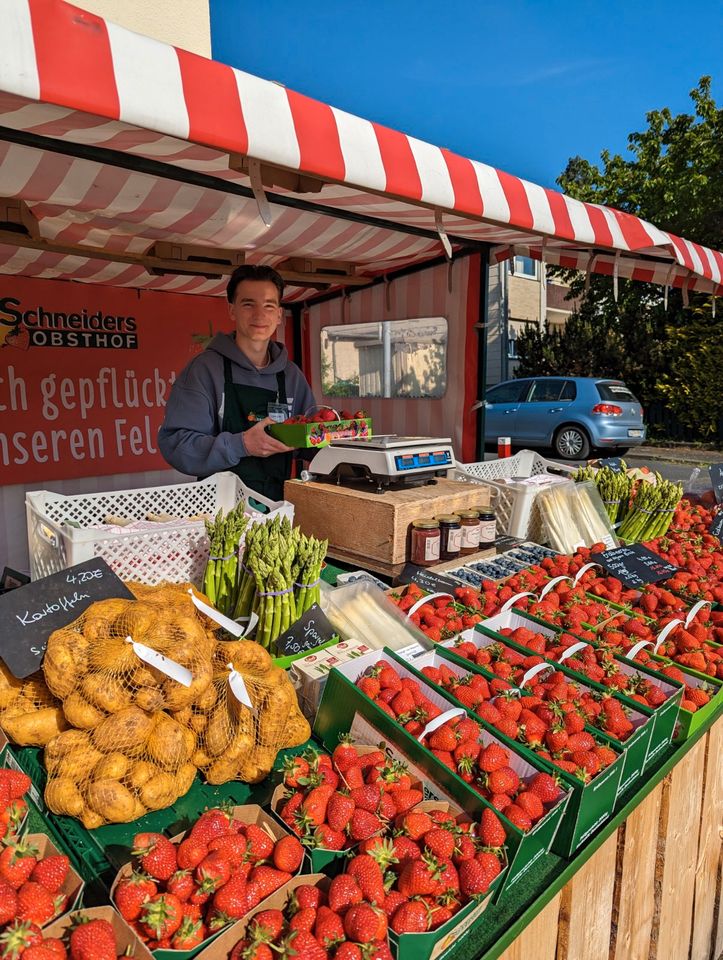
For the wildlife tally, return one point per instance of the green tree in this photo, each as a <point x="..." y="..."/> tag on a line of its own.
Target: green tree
<point x="673" y="178"/>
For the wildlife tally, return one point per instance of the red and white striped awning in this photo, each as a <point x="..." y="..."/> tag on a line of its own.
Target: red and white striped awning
<point x="97" y="118"/>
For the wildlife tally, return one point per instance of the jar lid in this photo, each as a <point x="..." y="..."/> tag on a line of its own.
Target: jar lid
<point x="448" y="518"/>
<point x="487" y="516"/>
<point x="425" y="523"/>
<point x="469" y="514"/>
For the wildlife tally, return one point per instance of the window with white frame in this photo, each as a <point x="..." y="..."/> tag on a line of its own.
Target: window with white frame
<point x="526" y="267"/>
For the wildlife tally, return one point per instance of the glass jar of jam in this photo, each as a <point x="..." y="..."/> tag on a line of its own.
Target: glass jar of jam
<point x="451" y="534"/>
<point x="488" y="527"/>
<point x="469" y="521"/>
<point x="425" y="542"/>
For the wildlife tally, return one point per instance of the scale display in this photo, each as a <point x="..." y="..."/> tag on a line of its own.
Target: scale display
<point x="413" y="461"/>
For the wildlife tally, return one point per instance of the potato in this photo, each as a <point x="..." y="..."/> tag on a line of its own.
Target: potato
<point x="222" y="770"/>
<point x="170" y="744"/>
<point x="68" y="742"/>
<point x="184" y="778"/>
<point x="200" y="758"/>
<point x="141" y="772"/>
<point x="296" y="731"/>
<point x="63" y="796"/>
<point x="90" y="819"/>
<point x="65" y="661"/>
<point x="97" y="619"/>
<point x="113" y="766"/>
<point x="111" y="800"/>
<point x="105" y="692"/>
<point x="250" y="659"/>
<point x="159" y="792"/>
<point x="80" y="713"/>
<point x="275" y="713"/>
<point x="151" y="699"/>
<point x="219" y="731"/>
<point x="209" y="696"/>
<point x="34" y="729"/>
<point x="257" y="766"/>
<point x="77" y="766"/>
<point x="126" y="731"/>
<point x="10" y="687"/>
<point x="178" y="696"/>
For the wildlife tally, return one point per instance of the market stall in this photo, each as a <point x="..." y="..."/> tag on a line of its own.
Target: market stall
<point x="183" y="663"/>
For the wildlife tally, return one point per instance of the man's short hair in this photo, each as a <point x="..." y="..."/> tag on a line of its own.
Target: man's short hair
<point x="250" y="271"/>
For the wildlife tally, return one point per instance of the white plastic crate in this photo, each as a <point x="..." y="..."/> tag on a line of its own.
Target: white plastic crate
<point x="517" y="513"/>
<point x="165" y="553"/>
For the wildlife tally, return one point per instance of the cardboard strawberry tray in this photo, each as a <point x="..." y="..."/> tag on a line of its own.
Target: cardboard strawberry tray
<point x="249" y="813"/>
<point x="318" y="433"/>
<point x="127" y="942"/>
<point x="344" y="707"/>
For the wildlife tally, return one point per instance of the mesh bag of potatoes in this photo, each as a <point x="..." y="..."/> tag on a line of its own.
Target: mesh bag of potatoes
<point x="124" y="671"/>
<point x="248" y="714"/>
<point x="30" y="715"/>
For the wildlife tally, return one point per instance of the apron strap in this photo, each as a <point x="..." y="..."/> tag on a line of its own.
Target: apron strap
<point x="281" y="387"/>
<point x="227" y="377"/>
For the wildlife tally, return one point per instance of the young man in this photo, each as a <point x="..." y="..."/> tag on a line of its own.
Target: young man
<point x="217" y="411"/>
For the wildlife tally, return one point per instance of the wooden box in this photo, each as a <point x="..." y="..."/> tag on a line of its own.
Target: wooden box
<point x="372" y="530"/>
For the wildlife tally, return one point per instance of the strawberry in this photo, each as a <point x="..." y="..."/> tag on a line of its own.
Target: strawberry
<point x="35" y="903"/>
<point x="92" y="940"/>
<point x="545" y="786"/>
<point x="211" y="824"/>
<point x="368" y="874"/>
<point x="189" y="935"/>
<point x="8" y="903"/>
<point x="251" y="950"/>
<point x="518" y="817"/>
<point x="295" y="771"/>
<point x="503" y="780"/>
<point x="344" y="892"/>
<point x="232" y="847"/>
<point x="531" y="804"/>
<point x="288" y="854"/>
<point x="316" y="802"/>
<point x="326" y="838"/>
<point x="392" y="901"/>
<point x="413" y="916"/>
<point x="41" y="952"/>
<point x="161" y="916"/>
<point x="259" y="845"/>
<point x="328" y="927"/>
<point x="439" y="842"/>
<point x="51" y="872"/>
<point x="267" y="923"/>
<point x="345" y="755"/>
<point x="406" y="799"/>
<point x="405" y="850"/>
<point x="212" y="872"/>
<point x="339" y="811"/>
<point x="190" y="853"/>
<point x="363" y="825"/>
<point x="493" y="757"/>
<point x="131" y="893"/>
<point x="420" y="877"/>
<point x="230" y="899"/>
<point x="157" y="855"/>
<point x="303" y="945"/>
<point x="16" y="782"/>
<point x="364" y="923"/>
<point x="368" y="797"/>
<point x="491" y="831"/>
<point x="17" y="862"/>
<point x="268" y="879"/>
<point x="307" y="895"/>
<point x="414" y="824"/>
<point x="476" y="875"/>
<point x="581" y="741"/>
<point x="303" y="919"/>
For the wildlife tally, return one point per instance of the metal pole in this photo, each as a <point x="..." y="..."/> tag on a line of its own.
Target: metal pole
<point x="387" y="360"/>
<point x="482" y="332"/>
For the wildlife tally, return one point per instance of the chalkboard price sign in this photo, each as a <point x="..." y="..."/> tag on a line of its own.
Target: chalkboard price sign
<point x="635" y="565"/>
<point x="716" y="478"/>
<point x="615" y="464"/>
<point x="716" y="527"/>
<point x="29" y="614"/>
<point x="431" y="582"/>
<point x="309" y="632"/>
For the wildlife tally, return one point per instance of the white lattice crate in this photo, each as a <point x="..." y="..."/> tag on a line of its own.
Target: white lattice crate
<point x="514" y="504"/>
<point x="174" y="552"/>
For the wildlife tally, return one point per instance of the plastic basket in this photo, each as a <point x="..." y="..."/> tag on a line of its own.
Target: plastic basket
<point x="517" y="514"/>
<point x="174" y="553"/>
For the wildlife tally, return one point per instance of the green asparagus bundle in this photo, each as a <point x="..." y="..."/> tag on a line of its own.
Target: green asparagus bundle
<point x="280" y="574"/>
<point x="652" y="510"/>
<point x="220" y="580"/>
<point x="614" y="487"/>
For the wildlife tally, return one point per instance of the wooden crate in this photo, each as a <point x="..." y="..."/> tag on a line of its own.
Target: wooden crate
<point x="370" y="529"/>
<point x="651" y="891"/>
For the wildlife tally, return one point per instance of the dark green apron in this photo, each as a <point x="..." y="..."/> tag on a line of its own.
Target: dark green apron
<point x="242" y="408"/>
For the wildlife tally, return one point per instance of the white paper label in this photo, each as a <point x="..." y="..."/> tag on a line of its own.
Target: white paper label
<point x="470" y="536"/>
<point x="487" y="531"/>
<point x="238" y="687"/>
<point x="431" y="548"/>
<point x="235" y="629"/>
<point x="155" y="659"/>
<point x="454" y="541"/>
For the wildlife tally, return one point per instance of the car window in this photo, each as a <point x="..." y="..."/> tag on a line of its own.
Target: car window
<point x="569" y="391"/>
<point x="616" y="391"/>
<point x="510" y="392"/>
<point x="545" y="390"/>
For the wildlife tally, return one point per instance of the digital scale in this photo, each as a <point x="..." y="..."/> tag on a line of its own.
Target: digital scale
<point x="383" y="460"/>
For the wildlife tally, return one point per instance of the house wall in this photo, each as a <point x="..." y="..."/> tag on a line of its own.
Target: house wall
<point x="182" y="23"/>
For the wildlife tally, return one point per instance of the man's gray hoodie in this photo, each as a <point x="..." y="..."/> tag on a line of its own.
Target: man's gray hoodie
<point x="190" y="438"/>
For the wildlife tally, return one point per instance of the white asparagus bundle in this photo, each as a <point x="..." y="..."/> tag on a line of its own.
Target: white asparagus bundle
<point x="571" y="516"/>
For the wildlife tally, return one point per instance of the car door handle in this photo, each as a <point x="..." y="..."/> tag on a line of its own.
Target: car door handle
<point x="509" y="411"/>
<point x="555" y="410"/>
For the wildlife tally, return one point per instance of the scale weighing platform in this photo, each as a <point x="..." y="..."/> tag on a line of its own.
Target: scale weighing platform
<point x="383" y="460"/>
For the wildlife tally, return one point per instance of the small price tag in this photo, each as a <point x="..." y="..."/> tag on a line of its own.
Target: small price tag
<point x="716" y="527"/>
<point x="312" y="630"/>
<point x="614" y="463"/>
<point x="432" y="582"/>
<point x="155" y="659"/>
<point x="238" y="687"/>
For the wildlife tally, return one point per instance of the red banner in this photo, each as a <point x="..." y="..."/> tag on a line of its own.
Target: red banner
<point x="85" y="372"/>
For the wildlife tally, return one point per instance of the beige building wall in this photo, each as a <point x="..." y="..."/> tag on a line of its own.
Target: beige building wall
<point x="182" y="23"/>
<point x="524" y="294"/>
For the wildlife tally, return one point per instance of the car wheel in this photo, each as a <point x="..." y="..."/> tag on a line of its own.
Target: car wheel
<point x="571" y="443"/>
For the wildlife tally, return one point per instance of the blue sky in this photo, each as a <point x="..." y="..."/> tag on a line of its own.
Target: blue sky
<point x="522" y="86"/>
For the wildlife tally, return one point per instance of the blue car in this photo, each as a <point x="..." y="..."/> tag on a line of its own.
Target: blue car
<point x="573" y="415"/>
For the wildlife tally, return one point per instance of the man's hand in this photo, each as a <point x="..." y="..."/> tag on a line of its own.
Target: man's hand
<point x="258" y="443"/>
